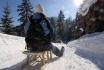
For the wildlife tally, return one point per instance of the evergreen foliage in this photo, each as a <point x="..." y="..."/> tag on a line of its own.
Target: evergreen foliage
<point x="61" y="23"/>
<point x="25" y="10"/>
<point x="6" y="20"/>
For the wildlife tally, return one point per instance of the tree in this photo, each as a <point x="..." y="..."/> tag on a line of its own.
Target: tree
<point x="92" y="20"/>
<point x="0" y="23"/>
<point x="53" y="21"/>
<point x="6" y="20"/>
<point x="61" y="23"/>
<point x="0" y="27"/>
<point x="25" y="10"/>
<point x="68" y="25"/>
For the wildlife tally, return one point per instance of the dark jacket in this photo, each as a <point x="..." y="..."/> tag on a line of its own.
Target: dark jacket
<point x="35" y="31"/>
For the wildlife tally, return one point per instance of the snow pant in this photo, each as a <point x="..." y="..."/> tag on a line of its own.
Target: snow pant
<point x="55" y="50"/>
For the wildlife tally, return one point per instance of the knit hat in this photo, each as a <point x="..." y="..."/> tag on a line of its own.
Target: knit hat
<point x="39" y="9"/>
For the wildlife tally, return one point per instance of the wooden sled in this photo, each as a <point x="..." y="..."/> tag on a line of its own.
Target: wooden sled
<point x="37" y="57"/>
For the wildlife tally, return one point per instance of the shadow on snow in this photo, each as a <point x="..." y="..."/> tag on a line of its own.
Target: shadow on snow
<point x="96" y="58"/>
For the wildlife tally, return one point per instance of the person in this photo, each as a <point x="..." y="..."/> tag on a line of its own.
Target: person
<point x="39" y="33"/>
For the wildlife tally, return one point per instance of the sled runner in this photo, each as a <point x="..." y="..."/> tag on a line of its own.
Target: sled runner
<point x="37" y="57"/>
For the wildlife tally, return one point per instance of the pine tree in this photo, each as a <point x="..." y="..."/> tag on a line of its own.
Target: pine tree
<point x="6" y="20"/>
<point x="0" y="26"/>
<point x="67" y="28"/>
<point x="61" y="22"/>
<point x="53" y="21"/>
<point x="25" y="10"/>
<point x="93" y="21"/>
<point x="68" y="23"/>
<point x="0" y="23"/>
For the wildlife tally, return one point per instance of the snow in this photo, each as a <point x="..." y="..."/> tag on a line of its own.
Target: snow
<point x="71" y="61"/>
<point x="11" y="57"/>
<point x="10" y="50"/>
<point x="93" y="42"/>
<point x="84" y="8"/>
<point x="91" y="47"/>
<point x="81" y="29"/>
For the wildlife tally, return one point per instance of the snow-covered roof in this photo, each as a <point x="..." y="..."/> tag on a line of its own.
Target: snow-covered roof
<point x="84" y="8"/>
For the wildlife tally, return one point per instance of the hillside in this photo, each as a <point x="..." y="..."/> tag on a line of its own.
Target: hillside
<point x="12" y="58"/>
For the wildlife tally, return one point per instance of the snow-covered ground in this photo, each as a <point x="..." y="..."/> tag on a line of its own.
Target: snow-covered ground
<point x="91" y="47"/>
<point x="11" y="57"/>
<point x="11" y="48"/>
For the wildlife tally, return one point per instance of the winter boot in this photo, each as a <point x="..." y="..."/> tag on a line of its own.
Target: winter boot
<point x="58" y="52"/>
<point x="62" y="50"/>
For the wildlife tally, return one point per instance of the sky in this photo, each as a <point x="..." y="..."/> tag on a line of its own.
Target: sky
<point x="51" y="7"/>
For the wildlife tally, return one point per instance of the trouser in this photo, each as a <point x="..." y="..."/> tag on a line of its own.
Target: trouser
<point x="55" y="50"/>
<point x="34" y="46"/>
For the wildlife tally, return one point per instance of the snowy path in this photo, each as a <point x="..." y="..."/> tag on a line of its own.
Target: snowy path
<point x="91" y="47"/>
<point x="70" y="61"/>
<point x="11" y="58"/>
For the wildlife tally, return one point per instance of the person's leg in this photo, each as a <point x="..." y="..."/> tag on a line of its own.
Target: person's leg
<point x="56" y="51"/>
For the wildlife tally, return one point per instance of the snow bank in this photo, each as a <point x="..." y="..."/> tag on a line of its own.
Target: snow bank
<point x="93" y="42"/>
<point x="91" y="47"/>
<point x="71" y="61"/>
<point x="11" y="48"/>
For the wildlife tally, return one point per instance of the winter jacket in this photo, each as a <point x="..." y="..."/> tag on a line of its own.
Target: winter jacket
<point x="34" y="30"/>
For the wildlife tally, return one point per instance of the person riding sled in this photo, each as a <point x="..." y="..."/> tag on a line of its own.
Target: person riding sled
<point x="39" y="33"/>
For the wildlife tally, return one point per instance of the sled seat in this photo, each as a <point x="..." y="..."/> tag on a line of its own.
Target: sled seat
<point x="38" y="57"/>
